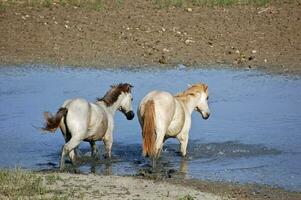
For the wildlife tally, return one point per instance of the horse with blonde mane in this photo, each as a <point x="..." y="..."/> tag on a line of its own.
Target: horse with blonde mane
<point x="163" y="115"/>
<point x="81" y="120"/>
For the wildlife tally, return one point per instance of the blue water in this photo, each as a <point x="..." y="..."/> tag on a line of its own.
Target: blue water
<point x="252" y="136"/>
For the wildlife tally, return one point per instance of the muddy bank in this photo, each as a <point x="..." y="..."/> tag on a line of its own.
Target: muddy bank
<point x="140" y="33"/>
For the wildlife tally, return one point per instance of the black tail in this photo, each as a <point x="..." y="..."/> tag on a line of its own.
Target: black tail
<point x="53" y="122"/>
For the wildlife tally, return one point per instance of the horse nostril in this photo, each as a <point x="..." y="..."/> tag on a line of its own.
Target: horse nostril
<point x="130" y="115"/>
<point x="207" y="116"/>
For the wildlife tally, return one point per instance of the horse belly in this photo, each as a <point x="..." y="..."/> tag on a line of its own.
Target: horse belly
<point x="98" y="125"/>
<point x="174" y="128"/>
<point x="96" y="134"/>
<point x="177" y="122"/>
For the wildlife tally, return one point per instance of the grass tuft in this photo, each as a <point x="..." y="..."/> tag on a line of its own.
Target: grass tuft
<point x="187" y="197"/>
<point x="19" y="184"/>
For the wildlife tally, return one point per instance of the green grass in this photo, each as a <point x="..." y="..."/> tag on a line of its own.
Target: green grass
<point x="19" y="184"/>
<point x="52" y="178"/>
<point x="187" y="197"/>
<point x="168" y="3"/>
<point x="2" y="6"/>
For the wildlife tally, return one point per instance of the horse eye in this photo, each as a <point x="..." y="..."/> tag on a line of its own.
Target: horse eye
<point x="207" y="98"/>
<point x="132" y="99"/>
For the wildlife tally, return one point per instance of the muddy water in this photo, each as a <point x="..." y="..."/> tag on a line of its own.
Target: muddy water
<point x="253" y="134"/>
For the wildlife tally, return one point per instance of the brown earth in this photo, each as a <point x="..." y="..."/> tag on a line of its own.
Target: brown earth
<point x="140" y="33"/>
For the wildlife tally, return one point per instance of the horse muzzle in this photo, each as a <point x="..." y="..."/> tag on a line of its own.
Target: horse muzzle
<point x="130" y="115"/>
<point x="205" y="115"/>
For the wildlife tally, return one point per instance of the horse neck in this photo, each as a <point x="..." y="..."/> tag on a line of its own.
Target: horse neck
<point x="190" y="103"/>
<point x="115" y="106"/>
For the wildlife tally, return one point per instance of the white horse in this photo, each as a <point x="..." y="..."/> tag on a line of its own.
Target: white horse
<point x="80" y="120"/>
<point x="162" y="116"/>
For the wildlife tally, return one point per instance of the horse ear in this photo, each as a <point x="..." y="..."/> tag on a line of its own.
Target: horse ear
<point x="206" y="87"/>
<point x="191" y="94"/>
<point x="128" y="87"/>
<point x="189" y="85"/>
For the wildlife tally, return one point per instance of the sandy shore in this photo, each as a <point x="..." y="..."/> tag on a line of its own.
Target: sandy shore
<point x="20" y="184"/>
<point x="116" y="187"/>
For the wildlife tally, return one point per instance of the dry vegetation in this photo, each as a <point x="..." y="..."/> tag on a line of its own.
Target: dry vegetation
<point x="18" y="184"/>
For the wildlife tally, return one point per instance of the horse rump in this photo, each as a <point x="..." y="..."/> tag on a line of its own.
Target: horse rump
<point x="53" y="122"/>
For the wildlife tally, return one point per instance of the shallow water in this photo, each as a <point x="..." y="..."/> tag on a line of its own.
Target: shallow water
<point x="253" y="134"/>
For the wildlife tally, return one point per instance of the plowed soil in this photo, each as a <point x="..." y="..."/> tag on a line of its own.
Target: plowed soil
<point x="141" y="33"/>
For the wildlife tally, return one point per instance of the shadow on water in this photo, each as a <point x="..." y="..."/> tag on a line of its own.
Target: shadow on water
<point x="253" y="134"/>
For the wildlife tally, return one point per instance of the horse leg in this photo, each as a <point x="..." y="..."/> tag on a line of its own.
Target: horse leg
<point x="94" y="150"/>
<point x="67" y="148"/>
<point x="73" y="153"/>
<point x="67" y="137"/>
<point x="154" y="162"/>
<point x="183" y="139"/>
<point x="108" y="142"/>
<point x="158" y="146"/>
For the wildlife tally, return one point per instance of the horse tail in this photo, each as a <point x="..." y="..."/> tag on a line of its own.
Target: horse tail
<point x="148" y="130"/>
<point x="53" y="122"/>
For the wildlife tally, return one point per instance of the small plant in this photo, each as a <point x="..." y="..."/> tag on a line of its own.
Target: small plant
<point x="20" y="184"/>
<point x="98" y="5"/>
<point x="2" y="7"/>
<point x="168" y="3"/>
<point x="63" y="2"/>
<point x="178" y="3"/>
<point x="119" y="3"/>
<point x="47" y="3"/>
<point x="52" y="178"/>
<point x="187" y="197"/>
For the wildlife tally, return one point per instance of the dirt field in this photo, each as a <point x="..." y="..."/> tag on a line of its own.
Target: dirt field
<point x="141" y="32"/>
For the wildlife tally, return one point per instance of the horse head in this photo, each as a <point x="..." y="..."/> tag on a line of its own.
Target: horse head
<point x="126" y="101"/>
<point x="202" y="101"/>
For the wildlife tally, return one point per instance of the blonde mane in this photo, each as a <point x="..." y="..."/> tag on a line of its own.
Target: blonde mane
<point x="192" y="91"/>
